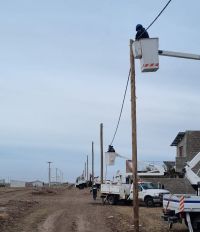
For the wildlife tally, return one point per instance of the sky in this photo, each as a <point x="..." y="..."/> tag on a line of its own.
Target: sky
<point x="63" y="70"/>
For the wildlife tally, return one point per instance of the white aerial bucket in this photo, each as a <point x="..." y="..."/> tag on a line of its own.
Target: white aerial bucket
<point x="147" y="51"/>
<point x="110" y="158"/>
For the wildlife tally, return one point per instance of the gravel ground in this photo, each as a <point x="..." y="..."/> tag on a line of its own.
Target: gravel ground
<point x="71" y="210"/>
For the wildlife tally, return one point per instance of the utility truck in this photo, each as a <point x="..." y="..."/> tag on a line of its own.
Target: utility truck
<point x="115" y="192"/>
<point x="148" y="193"/>
<point x="185" y="207"/>
<point x="81" y="182"/>
<point x="182" y="208"/>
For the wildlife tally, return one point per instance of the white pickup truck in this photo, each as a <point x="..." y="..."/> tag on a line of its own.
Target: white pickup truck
<point x="147" y="193"/>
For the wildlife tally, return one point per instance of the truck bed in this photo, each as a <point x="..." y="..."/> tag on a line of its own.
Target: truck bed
<point x="122" y="190"/>
<point x="181" y="203"/>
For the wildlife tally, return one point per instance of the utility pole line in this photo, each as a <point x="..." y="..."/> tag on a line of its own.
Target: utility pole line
<point x="60" y="176"/>
<point x="85" y="171"/>
<point x="92" y="162"/>
<point x="134" y="141"/>
<point x="49" y="173"/>
<point x="87" y="167"/>
<point x="56" y="175"/>
<point x="101" y="149"/>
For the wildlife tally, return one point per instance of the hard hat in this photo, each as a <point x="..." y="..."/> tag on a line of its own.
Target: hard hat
<point x="138" y="27"/>
<point x="111" y="148"/>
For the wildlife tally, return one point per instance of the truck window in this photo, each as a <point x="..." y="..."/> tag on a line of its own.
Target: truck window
<point x="148" y="185"/>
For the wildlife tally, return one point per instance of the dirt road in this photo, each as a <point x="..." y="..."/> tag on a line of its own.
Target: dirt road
<point x="71" y="210"/>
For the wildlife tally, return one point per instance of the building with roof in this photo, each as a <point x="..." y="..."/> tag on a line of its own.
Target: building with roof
<point x="17" y="184"/>
<point x="36" y="183"/>
<point x="187" y="146"/>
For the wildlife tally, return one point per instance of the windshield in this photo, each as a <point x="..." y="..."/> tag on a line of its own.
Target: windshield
<point x="148" y="185"/>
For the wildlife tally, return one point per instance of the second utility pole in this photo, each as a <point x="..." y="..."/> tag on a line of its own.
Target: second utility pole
<point x="85" y="176"/>
<point x="92" y="162"/>
<point x="87" y="167"/>
<point x="134" y="141"/>
<point x="49" y="173"/>
<point x="101" y="150"/>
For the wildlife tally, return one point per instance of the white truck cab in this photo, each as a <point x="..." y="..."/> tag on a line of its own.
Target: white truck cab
<point x="149" y="193"/>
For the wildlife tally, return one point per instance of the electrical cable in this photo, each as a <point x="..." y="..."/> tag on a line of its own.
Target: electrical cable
<point x="121" y="108"/>
<point x="156" y="17"/>
<point x="130" y="73"/>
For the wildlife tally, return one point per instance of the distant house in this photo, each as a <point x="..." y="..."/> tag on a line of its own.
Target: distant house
<point x="187" y="146"/>
<point x="17" y="184"/>
<point x="36" y="183"/>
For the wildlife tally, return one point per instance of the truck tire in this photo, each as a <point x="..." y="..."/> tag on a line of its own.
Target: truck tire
<point x="195" y="221"/>
<point x="149" y="201"/>
<point x="103" y="200"/>
<point x="111" y="200"/>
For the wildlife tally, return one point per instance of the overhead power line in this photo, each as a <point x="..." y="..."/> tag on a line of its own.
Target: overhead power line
<point x="158" y="15"/>
<point x="130" y="73"/>
<point x="121" y="108"/>
<point x="156" y="18"/>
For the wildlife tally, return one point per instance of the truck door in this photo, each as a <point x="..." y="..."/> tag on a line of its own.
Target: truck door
<point x="140" y="193"/>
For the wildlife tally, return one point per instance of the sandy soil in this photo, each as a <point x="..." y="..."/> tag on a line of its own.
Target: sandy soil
<point x="71" y="210"/>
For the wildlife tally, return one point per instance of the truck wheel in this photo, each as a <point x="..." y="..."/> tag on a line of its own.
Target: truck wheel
<point x="170" y="225"/>
<point x="103" y="200"/>
<point x="149" y="202"/>
<point x="195" y="221"/>
<point x="111" y="200"/>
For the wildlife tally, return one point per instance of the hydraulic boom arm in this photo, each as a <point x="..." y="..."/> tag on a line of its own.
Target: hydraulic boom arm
<point x="190" y="175"/>
<point x="179" y="55"/>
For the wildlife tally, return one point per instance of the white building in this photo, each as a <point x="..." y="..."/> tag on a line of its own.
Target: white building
<point x="17" y="184"/>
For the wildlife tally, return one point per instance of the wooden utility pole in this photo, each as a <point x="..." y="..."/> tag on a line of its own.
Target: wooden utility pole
<point x="92" y="162"/>
<point x="56" y="175"/>
<point x="101" y="149"/>
<point x="49" y="173"/>
<point x="85" y="171"/>
<point x="61" y="177"/>
<point x="134" y="141"/>
<point x="87" y="167"/>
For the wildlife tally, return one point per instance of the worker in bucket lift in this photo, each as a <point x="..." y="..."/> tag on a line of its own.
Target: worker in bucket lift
<point x="141" y="32"/>
<point x="111" y="148"/>
<point x="94" y="191"/>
